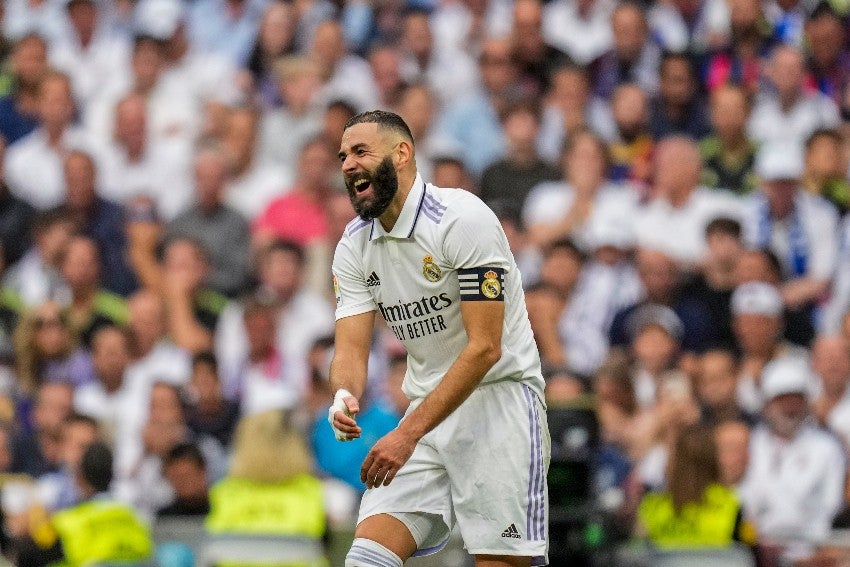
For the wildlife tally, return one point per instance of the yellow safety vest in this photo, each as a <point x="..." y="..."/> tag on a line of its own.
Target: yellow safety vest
<point x="709" y="523"/>
<point x="294" y="507"/>
<point x="102" y="531"/>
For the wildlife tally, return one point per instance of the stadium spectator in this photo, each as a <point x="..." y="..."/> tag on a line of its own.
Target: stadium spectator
<point x="42" y="187"/>
<point x="679" y="205"/>
<point x="757" y="321"/>
<point x="155" y="356"/>
<point x="44" y="351"/>
<point x="583" y="198"/>
<point x="733" y="441"/>
<point x="789" y="112"/>
<point x="695" y="510"/>
<point x="828" y="57"/>
<point x="417" y="105"/>
<point x="35" y="277"/>
<point x="270" y="466"/>
<point x="535" y="58"/>
<point x="385" y="65"/>
<point x="728" y="154"/>
<point x="98" y="219"/>
<point x="631" y="148"/>
<point x="299" y="214"/>
<point x="695" y="26"/>
<point x="209" y="412"/>
<point x="251" y="184"/>
<point x="826" y="168"/>
<point x="831" y="365"/>
<point x="340" y="68"/>
<point x="471" y="122"/>
<point x="679" y="107"/>
<point x="275" y="39"/>
<point x="222" y="231"/>
<point x="285" y="129"/>
<point x="634" y="57"/>
<point x="794" y="484"/>
<point x="88" y="304"/>
<point x="19" y="108"/>
<point x="225" y="27"/>
<point x="76" y="433"/>
<point x="38" y="451"/>
<point x="740" y="62"/>
<point x="185" y="468"/>
<point x="450" y="171"/>
<point x="580" y="28"/>
<point x="192" y="308"/>
<point x="800" y="228"/>
<point x="16" y="218"/>
<point x="520" y="169"/>
<point x="716" y="387"/>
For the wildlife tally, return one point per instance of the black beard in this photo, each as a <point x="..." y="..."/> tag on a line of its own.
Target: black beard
<point x="384" y="182"/>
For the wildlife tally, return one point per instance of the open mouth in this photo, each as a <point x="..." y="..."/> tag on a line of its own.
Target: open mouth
<point x="361" y="185"/>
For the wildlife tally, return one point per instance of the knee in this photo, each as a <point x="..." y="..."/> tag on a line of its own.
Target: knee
<point x="368" y="553"/>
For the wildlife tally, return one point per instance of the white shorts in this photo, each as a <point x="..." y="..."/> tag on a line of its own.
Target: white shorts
<point x="485" y="467"/>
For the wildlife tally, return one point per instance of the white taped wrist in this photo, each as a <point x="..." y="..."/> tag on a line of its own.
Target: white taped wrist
<point x="339" y="405"/>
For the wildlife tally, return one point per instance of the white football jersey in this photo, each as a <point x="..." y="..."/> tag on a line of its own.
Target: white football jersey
<point x="447" y="246"/>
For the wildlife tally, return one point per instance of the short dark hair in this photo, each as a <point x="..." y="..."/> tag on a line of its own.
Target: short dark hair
<point x="385" y="120"/>
<point x="724" y="225"/>
<point x="96" y="466"/>
<point x="567" y="245"/>
<point x="184" y="451"/>
<point x="205" y="357"/>
<point x="830" y="133"/>
<point x="75" y="418"/>
<point x="283" y="245"/>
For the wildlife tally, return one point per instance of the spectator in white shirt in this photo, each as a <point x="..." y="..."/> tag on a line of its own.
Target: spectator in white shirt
<point x="251" y="184"/>
<point x="789" y="113"/>
<point x="132" y="164"/>
<point x="679" y="206"/>
<point x="92" y="54"/>
<point x="34" y="164"/>
<point x="580" y="28"/>
<point x="284" y="130"/>
<point x="800" y="228"/>
<point x="341" y="69"/>
<point x="795" y="482"/>
<point x="155" y="356"/>
<point x="831" y="364"/>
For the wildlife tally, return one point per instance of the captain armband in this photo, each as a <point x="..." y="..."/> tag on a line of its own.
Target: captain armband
<point x="482" y="284"/>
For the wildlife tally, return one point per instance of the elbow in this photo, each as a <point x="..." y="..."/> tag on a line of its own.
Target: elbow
<point x="489" y="354"/>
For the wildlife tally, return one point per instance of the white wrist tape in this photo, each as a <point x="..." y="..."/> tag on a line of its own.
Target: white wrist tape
<point x="339" y="405"/>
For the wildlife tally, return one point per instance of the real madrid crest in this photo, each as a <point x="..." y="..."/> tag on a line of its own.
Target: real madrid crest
<point x="490" y="287"/>
<point x="430" y="270"/>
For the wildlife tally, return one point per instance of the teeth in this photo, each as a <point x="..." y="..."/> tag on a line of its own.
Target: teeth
<point x="361" y="182"/>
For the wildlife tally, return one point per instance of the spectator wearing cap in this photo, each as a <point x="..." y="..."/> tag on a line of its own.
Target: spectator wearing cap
<point x="800" y="228"/>
<point x="89" y="52"/>
<point x="19" y="107"/>
<point x="22" y="17"/>
<point x="678" y="205"/>
<point x="789" y="112"/>
<point x="728" y="153"/>
<point x="656" y="334"/>
<point x="581" y="199"/>
<point x="511" y="177"/>
<point x="223" y="232"/>
<point x="757" y="322"/>
<point x="42" y="186"/>
<point x="794" y="485"/>
<point x="831" y="364"/>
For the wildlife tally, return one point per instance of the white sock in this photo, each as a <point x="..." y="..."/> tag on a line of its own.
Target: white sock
<point x="367" y="553"/>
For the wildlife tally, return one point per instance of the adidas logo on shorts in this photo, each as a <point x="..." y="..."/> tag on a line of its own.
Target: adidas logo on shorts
<point x="373" y="280"/>
<point x="512" y="532"/>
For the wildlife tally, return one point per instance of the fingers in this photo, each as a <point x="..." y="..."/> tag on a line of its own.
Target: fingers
<point x="376" y="472"/>
<point x="352" y="404"/>
<point x="346" y="425"/>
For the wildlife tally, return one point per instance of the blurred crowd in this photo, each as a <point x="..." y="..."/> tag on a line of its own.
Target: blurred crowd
<point x="672" y="177"/>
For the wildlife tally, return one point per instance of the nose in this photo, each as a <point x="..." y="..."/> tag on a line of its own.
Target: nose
<point x="348" y="164"/>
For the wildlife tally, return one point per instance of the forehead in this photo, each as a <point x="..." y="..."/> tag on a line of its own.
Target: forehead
<point x="365" y="133"/>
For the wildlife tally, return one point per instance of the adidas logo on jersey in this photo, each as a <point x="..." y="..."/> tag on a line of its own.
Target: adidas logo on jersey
<point x="373" y="280"/>
<point x="512" y="532"/>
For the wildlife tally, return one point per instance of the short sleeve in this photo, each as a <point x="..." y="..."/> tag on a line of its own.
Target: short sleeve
<point x="349" y="282"/>
<point x="475" y="239"/>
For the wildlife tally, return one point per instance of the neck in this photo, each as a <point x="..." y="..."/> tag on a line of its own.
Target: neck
<point x="734" y="142"/>
<point x="54" y="134"/>
<point x="83" y="296"/>
<point x="788" y="100"/>
<point x="405" y="184"/>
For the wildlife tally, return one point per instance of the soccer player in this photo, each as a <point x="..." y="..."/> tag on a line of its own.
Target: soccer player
<point x="473" y="447"/>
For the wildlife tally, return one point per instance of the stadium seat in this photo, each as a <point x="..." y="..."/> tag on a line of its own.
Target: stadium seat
<point x="260" y="549"/>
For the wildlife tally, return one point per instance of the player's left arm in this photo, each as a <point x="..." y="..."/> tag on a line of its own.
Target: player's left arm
<point x="483" y="322"/>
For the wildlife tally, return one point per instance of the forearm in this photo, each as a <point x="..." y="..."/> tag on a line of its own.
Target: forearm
<point x="459" y="382"/>
<point x="800" y="291"/>
<point x="349" y="374"/>
<point x="186" y="332"/>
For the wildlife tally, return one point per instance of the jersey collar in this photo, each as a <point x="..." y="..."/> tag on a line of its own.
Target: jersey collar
<point x="407" y="218"/>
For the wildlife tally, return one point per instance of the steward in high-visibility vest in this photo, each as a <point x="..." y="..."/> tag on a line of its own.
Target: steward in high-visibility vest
<point x="98" y="530"/>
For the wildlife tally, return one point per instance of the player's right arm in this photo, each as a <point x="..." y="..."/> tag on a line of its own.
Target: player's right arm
<point x="353" y="336"/>
<point x="355" y="320"/>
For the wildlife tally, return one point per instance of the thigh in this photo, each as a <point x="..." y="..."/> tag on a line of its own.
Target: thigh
<point x="496" y="453"/>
